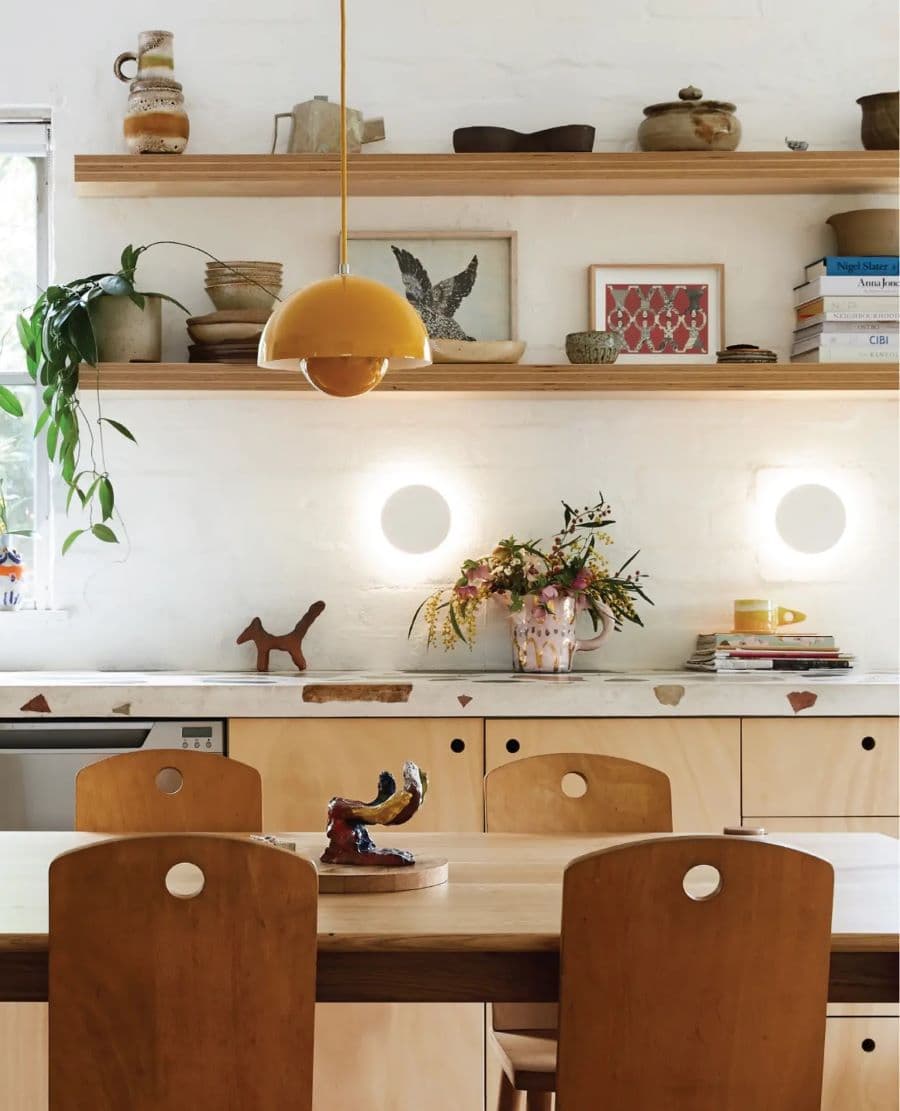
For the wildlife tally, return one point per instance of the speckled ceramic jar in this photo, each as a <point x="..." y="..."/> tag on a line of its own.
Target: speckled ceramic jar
<point x="156" y="122"/>
<point x="690" y="123"/>
<point x="593" y="347"/>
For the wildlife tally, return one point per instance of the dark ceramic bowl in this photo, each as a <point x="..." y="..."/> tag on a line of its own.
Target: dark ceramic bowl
<point x="573" y="137"/>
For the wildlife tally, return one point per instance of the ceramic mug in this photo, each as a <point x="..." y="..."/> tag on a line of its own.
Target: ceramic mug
<point x="545" y="641"/>
<point x="757" y="615"/>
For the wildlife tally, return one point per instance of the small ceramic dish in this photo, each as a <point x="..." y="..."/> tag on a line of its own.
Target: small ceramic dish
<point x="222" y="333"/>
<point x="477" y="351"/>
<point x="593" y="347"/>
<point x="242" y="264"/>
<point x="242" y="295"/>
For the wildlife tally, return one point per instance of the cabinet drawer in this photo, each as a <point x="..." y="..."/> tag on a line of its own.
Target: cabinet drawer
<point x="304" y="763"/>
<point x="701" y="756"/>
<point x="820" y="767"/>
<point x="860" y="1064"/>
<point x="824" y="825"/>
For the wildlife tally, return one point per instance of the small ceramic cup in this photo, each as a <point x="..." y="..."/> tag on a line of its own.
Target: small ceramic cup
<point x="593" y="347"/>
<point x="758" y="615"/>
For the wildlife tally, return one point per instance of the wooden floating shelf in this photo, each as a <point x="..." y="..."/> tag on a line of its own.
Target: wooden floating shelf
<point x="511" y="378"/>
<point x="425" y="175"/>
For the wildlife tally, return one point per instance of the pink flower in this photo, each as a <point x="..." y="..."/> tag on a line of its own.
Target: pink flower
<point x="582" y="580"/>
<point x="466" y="592"/>
<point x="547" y="596"/>
<point x="481" y="573"/>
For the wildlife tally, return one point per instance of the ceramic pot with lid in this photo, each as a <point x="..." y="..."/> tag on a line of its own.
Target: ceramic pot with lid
<point x="690" y="123"/>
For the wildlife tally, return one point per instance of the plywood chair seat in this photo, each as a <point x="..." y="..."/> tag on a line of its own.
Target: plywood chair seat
<point x="529" y="1058"/>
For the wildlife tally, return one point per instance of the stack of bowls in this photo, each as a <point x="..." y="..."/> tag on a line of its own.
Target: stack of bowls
<point x="243" y="284"/>
<point x="230" y="336"/>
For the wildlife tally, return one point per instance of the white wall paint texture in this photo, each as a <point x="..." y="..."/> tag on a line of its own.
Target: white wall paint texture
<point x="237" y="505"/>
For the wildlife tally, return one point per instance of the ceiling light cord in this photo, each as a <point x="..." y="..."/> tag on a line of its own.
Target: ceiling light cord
<point x="345" y="267"/>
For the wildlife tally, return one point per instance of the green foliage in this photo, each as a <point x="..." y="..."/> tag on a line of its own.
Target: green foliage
<point x="5" y="525"/>
<point x="57" y="336"/>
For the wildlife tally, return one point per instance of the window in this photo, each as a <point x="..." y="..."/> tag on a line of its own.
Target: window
<point x="24" y="265"/>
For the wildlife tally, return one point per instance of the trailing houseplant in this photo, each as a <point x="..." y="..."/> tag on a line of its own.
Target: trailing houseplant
<point x="543" y="589"/>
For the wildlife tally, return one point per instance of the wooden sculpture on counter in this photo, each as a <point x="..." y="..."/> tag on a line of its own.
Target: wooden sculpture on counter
<point x="348" y="839"/>
<point x="291" y="642"/>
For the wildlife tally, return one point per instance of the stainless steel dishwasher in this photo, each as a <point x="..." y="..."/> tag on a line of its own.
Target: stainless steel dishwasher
<point x="40" y="759"/>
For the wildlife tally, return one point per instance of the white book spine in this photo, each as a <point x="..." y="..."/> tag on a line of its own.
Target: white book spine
<point x="846" y="354"/>
<point x="862" y="285"/>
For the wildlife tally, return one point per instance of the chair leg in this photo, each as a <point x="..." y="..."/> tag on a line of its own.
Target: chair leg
<point x="539" y="1101"/>
<point x="509" y="1096"/>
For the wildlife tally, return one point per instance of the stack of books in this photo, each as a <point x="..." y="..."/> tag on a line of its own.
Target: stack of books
<point x="767" y="652"/>
<point x="847" y="310"/>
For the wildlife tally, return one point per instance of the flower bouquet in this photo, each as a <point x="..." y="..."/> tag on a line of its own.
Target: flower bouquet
<point x="543" y="591"/>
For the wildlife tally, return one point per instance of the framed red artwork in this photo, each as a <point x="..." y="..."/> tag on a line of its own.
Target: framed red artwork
<point x="665" y="313"/>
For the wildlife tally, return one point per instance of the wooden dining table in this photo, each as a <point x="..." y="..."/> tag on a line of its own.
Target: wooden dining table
<point x="491" y="933"/>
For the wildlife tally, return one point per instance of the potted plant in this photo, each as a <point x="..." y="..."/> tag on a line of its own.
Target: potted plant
<point x="12" y="568"/>
<point x="543" y="590"/>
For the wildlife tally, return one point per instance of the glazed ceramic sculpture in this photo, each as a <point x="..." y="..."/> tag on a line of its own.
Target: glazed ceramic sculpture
<point x="593" y="347"/>
<point x="155" y="122"/>
<point x="291" y="642"/>
<point x="348" y="839"/>
<point x="12" y="571"/>
<point x="879" y="130"/>
<point x="690" y="123"/>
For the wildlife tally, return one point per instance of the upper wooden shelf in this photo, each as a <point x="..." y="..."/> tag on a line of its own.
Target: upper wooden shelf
<point x="512" y="378"/>
<point x="422" y="175"/>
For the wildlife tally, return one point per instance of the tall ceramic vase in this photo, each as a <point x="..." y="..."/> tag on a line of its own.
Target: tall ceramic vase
<point x="545" y="642"/>
<point x="12" y="572"/>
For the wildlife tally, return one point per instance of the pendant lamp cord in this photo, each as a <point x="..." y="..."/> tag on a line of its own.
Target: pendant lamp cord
<point x="345" y="268"/>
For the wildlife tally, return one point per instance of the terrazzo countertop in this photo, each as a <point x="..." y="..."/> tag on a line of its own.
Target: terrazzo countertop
<point x="157" y="694"/>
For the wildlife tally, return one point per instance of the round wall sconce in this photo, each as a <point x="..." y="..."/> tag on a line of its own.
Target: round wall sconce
<point x="416" y="519"/>
<point x="811" y="518"/>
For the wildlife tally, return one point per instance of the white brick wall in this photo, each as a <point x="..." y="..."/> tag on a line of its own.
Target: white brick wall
<point x="237" y="505"/>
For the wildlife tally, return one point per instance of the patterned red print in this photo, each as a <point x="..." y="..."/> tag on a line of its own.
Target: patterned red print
<point x="656" y="319"/>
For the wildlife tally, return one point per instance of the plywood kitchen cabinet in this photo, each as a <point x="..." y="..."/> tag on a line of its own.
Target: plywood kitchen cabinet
<point x="397" y="1051"/>
<point x="23" y="1056"/>
<point x="820" y="767"/>
<point x="861" y="1065"/>
<point x="888" y="826"/>
<point x="701" y="756"/>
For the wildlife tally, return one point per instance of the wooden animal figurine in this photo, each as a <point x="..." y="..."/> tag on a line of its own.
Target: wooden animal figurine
<point x="291" y="642"/>
<point x="348" y="839"/>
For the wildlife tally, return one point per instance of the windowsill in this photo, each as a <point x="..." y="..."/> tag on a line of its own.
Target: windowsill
<point x="32" y="616"/>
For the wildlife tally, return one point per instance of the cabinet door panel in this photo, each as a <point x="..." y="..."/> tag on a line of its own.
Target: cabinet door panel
<point x="701" y="756"/>
<point x="860" y="1065"/>
<point x="820" y="767"/>
<point x="305" y="762"/>
<point x="23" y="1057"/>
<point x="384" y="1056"/>
<point x="825" y="825"/>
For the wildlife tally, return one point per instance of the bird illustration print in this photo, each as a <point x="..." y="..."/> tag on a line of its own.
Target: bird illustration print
<point x="436" y="304"/>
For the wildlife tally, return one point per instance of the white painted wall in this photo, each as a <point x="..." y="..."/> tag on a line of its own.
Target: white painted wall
<point x="238" y="505"/>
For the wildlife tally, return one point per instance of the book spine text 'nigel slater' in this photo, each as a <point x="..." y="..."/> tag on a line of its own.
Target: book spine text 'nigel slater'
<point x="840" y="266"/>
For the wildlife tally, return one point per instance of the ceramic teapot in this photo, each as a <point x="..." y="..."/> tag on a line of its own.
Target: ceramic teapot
<point x="316" y="128"/>
<point x="690" y="123"/>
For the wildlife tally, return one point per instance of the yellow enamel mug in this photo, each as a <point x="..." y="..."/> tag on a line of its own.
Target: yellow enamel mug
<point x="757" y="615"/>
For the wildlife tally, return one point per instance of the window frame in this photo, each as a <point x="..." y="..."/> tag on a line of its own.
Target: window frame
<point x="42" y="540"/>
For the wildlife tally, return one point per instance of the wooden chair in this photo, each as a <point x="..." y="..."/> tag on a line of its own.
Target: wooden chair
<point x="561" y="793"/>
<point x="703" y="1003"/>
<point x="168" y="791"/>
<point x="162" y="999"/>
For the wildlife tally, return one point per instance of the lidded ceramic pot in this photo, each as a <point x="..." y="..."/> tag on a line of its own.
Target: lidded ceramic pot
<point x="155" y="122"/>
<point x="690" y="123"/>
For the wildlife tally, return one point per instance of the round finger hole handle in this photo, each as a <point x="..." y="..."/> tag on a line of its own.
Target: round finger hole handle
<point x="169" y="781"/>
<point x="185" y="880"/>
<point x="868" y="743"/>
<point x="702" y="882"/>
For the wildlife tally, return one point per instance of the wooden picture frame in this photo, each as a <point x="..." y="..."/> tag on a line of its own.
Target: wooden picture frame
<point x="654" y="333"/>
<point x="444" y="235"/>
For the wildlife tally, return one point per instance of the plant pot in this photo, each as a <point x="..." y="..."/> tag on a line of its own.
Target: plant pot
<point x="545" y="642"/>
<point x="12" y="572"/>
<point x="879" y="129"/>
<point x="125" y="333"/>
<point x="866" y="231"/>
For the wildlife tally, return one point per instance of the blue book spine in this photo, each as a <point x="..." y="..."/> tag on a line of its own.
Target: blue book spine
<point x="887" y="266"/>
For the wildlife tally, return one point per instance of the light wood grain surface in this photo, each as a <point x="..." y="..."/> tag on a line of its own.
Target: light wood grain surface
<point x="422" y="175"/>
<point x="484" y="906"/>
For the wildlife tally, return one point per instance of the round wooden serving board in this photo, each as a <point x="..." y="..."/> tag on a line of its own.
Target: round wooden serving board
<point x="353" y="879"/>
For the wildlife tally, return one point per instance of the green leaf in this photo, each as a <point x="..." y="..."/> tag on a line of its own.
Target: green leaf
<point x="52" y="437"/>
<point x="120" y="428"/>
<point x="415" y="616"/>
<point x="104" y="533"/>
<point x="107" y="498"/>
<point x="137" y="299"/>
<point x="41" y="421"/>
<point x="166" y="297"/>
<point x="115" y="285"/>
<point x="71" y="538"/>
<point x="10" y="402"/>
<point x="82" y="336"/>
<point x="74" y="489"/>
<point x="455" y="625"/>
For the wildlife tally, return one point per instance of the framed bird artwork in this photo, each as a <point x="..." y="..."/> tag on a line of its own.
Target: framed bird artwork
<point x="462" y="283"/>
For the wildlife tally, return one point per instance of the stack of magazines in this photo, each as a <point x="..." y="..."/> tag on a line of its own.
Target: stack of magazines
<point x="767" y="652"/>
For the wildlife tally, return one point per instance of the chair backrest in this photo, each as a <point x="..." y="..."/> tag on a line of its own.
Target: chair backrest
<point x="616" y="796"/>
<point x="530" y="796"/>
<point x="168" y="791"/>
<point x="670" y="1001"/>
<point x="160" y="1001"/>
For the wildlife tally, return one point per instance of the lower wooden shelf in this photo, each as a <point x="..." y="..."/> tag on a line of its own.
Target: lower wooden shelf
<point x="511" y="378"/>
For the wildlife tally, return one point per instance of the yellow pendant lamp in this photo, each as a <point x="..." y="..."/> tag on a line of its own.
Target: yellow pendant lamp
<point x="344" y="332"/>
